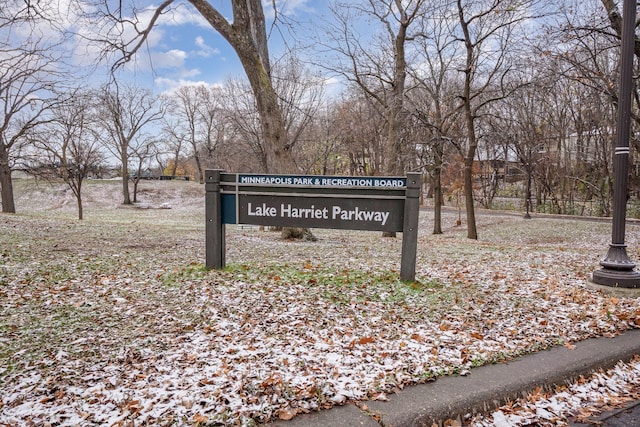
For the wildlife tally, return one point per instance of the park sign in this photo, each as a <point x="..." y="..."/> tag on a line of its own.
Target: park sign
<point x="312" y="201"/>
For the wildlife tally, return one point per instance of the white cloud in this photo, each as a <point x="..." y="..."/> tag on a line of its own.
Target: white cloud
<point x="183" y="15"/>
<point x="41" y="22"/>
<point x="174" y="58"/>
<point x="161" y="51"/>
<point x="205" y="50"/>
<point x="96" y="29"/>
<point x="191" y="73"/>
<point x="333" y="85"/>
<point x="285" y="7"/>
<point x="169" y="86"/>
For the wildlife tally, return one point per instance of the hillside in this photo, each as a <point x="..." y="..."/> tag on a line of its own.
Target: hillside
<point x="103" y="198"/>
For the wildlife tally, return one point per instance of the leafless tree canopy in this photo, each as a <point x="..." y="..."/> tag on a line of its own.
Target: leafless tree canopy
<point x="67" y="146"/>
<point x="491" y="100"/>
<point x="30" y="64"/>
<point x="125" y="113"/>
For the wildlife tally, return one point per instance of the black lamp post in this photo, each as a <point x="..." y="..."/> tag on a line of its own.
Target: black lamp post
<point x="617" y="269"/>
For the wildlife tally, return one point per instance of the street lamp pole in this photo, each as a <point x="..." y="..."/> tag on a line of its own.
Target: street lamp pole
<point x="617" y="269"/>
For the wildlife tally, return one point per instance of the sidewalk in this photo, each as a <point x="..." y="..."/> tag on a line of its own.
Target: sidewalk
<point x="484" y="390"/>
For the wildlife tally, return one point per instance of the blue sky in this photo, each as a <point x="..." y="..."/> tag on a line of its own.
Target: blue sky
<point x="183" y="47"/>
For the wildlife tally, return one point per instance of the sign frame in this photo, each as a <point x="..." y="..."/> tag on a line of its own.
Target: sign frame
<point x="312" y="201"/>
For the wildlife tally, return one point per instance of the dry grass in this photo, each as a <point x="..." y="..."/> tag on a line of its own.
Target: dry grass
<point x="114" y="318"/>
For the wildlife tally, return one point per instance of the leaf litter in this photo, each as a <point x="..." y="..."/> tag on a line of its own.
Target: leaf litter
<point x="114" y="320"/>
<point x="583" y="401"/>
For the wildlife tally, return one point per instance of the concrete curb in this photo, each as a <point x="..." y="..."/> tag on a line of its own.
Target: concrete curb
<point x="615" y="291"/>
<point x="485" y="389"/>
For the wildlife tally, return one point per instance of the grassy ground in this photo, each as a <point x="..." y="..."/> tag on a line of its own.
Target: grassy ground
<point x="114" y="318"/>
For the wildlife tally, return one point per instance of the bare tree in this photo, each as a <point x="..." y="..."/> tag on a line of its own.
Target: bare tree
<point x="141" y="154"/>
<point x="379" y="66"/>
<point x="185" y="105"/>
<point x="584" y="46"/>
<point x="174" y="141"/>
<point x="242" y="113"/>
<point x="300" y="96"/>
<point x="379" y="71"/>
<point x="615" y="18"/>
<point x="322" y="153"/>
<point x="215" y="128"/>
<point x="28" y="69"/>
<point x="124" y="112"/>
<point x="69" y="145"/>
<point x="489" y="31"/>
<point x="433" y="101"/>
<point x="199" y="119"/>
<point x="361" y="133"/>
<point x="246" y="33"/>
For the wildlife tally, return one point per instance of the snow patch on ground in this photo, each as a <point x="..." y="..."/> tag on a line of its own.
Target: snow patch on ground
<point x="113" y="320"/>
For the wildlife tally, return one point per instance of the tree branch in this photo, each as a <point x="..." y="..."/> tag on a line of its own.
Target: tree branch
<point x="144" y="34"/>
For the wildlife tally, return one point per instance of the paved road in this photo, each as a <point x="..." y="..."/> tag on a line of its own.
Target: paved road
<point x="534" y="215"/>
<point x="627" y="417"/>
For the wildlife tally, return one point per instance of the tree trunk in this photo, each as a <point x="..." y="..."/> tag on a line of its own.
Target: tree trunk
<point x="125" y="182"/>
<point x="8" y="204"/>
<point x="615" y="18"/>
<point x="527" y="194"/>
<point x="396" y="157"/>
<point x="248" y="37"/>
<point x="437" y="187"/>
<point x="135" y="189"/>
<point x="79" y="201"/>
<point x="278" y="153"/>
<point x="174" y="168"/>
<point x="472" y="231"/>
<point x="437" y="202"/>
<point x="396" y="162"/>
<point x="199" y="166"/>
